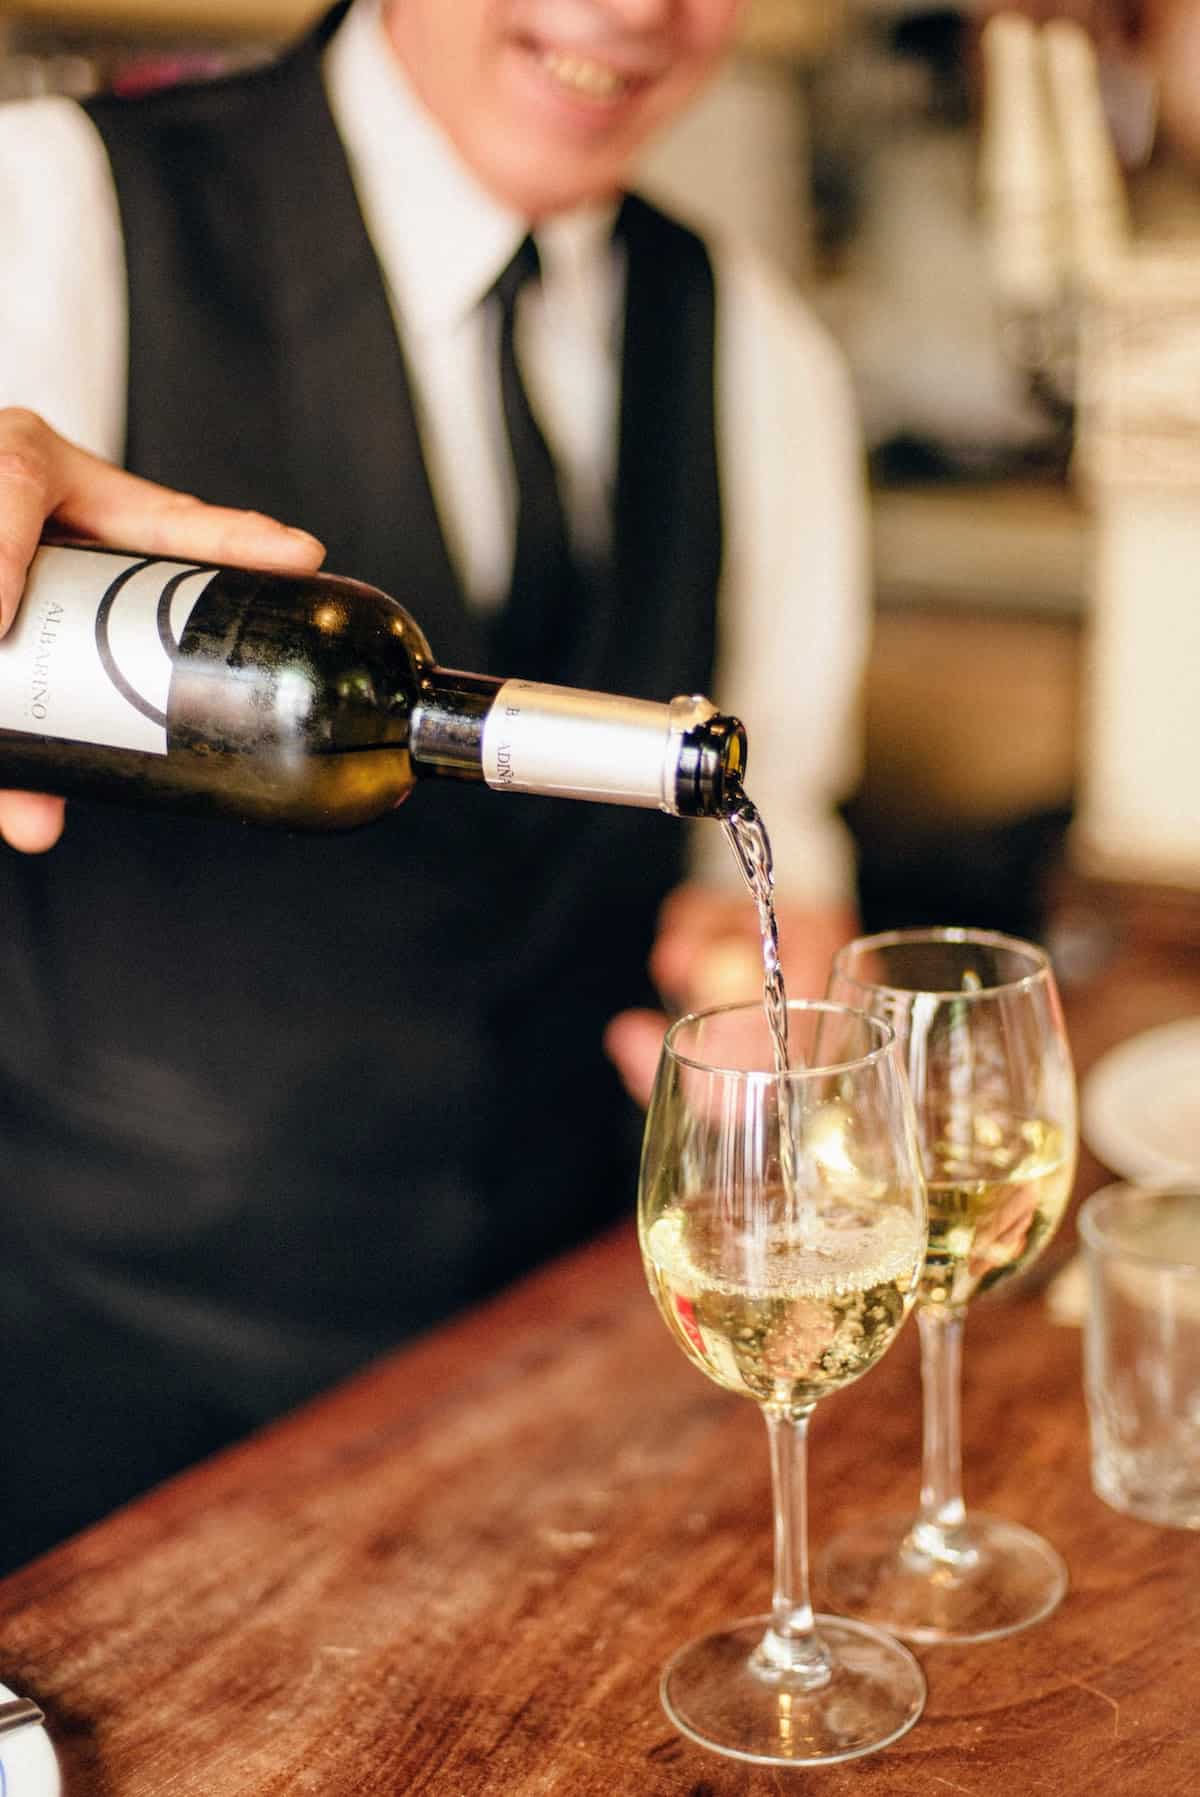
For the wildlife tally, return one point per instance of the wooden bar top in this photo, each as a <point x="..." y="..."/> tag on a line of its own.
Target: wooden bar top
<point x="462" y="1572"/>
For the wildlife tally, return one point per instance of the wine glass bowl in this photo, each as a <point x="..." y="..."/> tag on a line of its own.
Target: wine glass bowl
<point x="782" y="1224"/>
<point x="980" y="1026"/>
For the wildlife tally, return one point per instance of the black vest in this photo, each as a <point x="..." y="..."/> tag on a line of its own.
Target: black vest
<point x="269" y="1102"/>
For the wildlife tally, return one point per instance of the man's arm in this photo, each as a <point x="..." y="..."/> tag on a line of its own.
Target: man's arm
<point x="794" y="631"/>
<point x="794" y="623"/>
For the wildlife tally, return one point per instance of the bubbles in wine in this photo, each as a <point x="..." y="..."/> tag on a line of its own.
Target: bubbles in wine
<point x="780" y="1317"/>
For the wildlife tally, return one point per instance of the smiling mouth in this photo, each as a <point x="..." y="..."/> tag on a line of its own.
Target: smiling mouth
<point x="585" y="78"/>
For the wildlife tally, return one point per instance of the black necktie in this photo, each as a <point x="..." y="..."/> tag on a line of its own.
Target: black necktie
<point x="531" y="633"/>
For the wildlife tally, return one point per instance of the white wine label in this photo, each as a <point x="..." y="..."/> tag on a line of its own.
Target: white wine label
<point x="90" y="656"/>
<point x="582" y="745"/>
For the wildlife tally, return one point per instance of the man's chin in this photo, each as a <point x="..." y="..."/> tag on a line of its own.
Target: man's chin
<point x="540" y="186"/>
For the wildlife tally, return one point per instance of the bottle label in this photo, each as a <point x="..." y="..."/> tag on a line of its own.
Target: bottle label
<point x="563" y="741"/>
<point x="90" y="656"/>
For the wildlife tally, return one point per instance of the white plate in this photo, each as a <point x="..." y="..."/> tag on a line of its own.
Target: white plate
<point x="1141" y="1104"/>
<point x="28" y="1767"/>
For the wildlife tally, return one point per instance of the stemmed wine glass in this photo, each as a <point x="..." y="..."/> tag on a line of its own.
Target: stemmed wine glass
<point x="782" y="1223"/>
<point x="979" y="1019"/>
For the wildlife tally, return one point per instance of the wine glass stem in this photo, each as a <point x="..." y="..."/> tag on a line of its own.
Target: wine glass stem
<point x="940" y="1525"/>
<point x="791" y="1646"/>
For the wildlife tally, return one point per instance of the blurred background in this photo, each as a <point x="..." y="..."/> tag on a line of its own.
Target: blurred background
<point x="1004" y="232"/>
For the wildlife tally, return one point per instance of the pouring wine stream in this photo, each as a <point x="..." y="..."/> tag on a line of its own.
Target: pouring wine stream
<point x="747" y="837"/>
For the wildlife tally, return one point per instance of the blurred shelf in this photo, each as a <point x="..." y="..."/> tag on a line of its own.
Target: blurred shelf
<point x="970" y="715"/>
<point x="974" y="688"/>
<point x="1010" y="546"/>
<point x="208" y="18"/>
<point x="792" y="30"/>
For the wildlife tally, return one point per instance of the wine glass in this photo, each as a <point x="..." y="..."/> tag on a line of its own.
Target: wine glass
<point x="782" y="1223"/>
<point x="979" y="1019"/>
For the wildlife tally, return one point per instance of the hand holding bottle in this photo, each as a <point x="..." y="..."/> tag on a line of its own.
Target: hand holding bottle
<point x="45" y="479"/>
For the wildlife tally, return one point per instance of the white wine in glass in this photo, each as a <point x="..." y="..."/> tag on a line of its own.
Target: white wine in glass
<point x="981" y="1027"/>
<point x="782" y="1224"/>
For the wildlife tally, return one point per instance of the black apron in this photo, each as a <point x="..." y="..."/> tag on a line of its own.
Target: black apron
<point x="271" y="1103"/>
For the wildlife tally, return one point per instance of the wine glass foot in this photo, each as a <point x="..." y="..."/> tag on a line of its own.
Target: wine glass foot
<point x="715" y="1693"/>
<point x="999" y="1578"/>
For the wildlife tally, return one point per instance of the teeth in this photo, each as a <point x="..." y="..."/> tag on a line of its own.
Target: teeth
<point x="583" y="76"/>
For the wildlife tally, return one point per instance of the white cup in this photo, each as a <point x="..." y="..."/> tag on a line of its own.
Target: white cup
<point x="1142" y="1350"/>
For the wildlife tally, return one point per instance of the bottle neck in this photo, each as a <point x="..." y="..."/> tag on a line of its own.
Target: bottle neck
<point x="519" y="736"/>
<point x="446" y="737"/>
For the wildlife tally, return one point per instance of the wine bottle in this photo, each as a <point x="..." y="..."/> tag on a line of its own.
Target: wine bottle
<point x="309" y="701"/>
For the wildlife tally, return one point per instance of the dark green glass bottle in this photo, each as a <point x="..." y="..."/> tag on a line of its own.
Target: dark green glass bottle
<point x="308" y="701"/>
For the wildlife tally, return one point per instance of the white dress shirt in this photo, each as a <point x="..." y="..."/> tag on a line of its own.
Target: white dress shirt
<point x="792" y="608"/>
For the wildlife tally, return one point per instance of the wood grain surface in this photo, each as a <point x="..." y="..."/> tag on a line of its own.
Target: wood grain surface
<point x="461" y="1573"/>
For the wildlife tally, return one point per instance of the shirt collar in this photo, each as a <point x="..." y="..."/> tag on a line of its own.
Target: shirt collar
<point x="441" y="237"/>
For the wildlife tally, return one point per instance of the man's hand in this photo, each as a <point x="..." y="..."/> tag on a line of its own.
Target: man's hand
<point x="708" y="952"/>
<point x="45" y="478"/>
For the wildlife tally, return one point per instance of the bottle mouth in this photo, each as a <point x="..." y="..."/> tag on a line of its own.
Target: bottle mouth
<point x="711" y="767"/>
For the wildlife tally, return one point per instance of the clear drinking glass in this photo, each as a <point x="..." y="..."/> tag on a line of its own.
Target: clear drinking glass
<point x="782" y="1223"/>
<point x="1142" y="1349"/>
<point x="981" y="1028"/>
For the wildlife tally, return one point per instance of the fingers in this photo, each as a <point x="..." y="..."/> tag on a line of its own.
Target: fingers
<point x="119" y="508"/>
<point x="691" y="921"/>
<point x="26" y="486"/>
<point x="709" y="951"/>
<point x="633" y="1042"/>
<point x="42" y="477"/>
<point x="727" y="971"/>
<point x="31" y="821"/>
